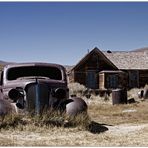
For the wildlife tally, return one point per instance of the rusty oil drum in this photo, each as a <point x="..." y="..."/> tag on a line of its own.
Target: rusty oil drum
<point x="119" y="96"/>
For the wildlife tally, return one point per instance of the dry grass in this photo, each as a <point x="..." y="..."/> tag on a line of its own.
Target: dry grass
<point x="107" y="125"/>
<point x="110" y="127"/>
<point x="119" y="114"/>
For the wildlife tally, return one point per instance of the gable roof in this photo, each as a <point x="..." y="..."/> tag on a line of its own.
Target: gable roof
<point x="129" y="60"/>
<point x="96" y="51"/>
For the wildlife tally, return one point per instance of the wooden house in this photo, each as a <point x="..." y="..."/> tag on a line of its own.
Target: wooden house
<point x="109" y="70"/>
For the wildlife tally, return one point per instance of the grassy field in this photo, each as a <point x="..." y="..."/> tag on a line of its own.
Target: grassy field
<point x="107" y="125"/>
<point x="120" y="125"/>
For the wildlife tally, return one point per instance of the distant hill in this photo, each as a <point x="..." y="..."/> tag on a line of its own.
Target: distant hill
<point x="68" y="67"/>
<point x="144" y="49"/>
<point x="3" y="63"/>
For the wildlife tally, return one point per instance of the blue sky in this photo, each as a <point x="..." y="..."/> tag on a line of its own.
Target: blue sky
<point x="62" y="32"/>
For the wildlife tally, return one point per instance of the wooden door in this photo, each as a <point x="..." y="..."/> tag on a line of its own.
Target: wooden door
<point x="113" y="81"/>
<point x="91" y="79"/>
<point x="133" y="79"/>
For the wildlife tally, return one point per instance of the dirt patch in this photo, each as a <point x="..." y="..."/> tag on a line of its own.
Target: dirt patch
<point x="118" y="135"/>
<point x="124" y="129"/>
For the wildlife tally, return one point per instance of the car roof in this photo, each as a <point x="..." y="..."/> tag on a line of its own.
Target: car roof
<point x="34" y="64"/>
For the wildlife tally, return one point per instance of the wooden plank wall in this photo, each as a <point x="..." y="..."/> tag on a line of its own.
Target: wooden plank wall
<point x="143" y="78"/>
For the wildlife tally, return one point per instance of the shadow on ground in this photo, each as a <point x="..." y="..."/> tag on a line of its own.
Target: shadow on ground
<point x="12" y="124"/>
<point x="96" y="128"/>
<point x="93" y="127"/>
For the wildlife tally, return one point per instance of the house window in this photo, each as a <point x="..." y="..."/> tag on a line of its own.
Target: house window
<point x="112" y="81"/>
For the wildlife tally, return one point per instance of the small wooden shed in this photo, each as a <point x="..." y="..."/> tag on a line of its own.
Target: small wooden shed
<point x="112" y="79"/>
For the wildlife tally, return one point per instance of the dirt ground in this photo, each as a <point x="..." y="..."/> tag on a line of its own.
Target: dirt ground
<point x="119" y="135"/>
<point x="123" y="125"/>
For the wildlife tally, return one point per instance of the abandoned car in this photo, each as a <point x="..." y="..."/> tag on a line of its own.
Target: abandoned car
<point x="36" y="87"/>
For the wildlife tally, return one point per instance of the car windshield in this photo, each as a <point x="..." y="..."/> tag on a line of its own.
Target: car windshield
<point x="34" y="71"/>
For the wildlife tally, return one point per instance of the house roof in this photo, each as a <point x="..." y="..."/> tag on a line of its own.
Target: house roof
<point x="129" y="60"/>
<point x="123" y="60"/>
<point x="97" y="51"/>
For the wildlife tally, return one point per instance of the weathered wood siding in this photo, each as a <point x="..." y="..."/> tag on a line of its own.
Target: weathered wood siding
<point x="102" y="81"/>
<point x="137" y="78"/>
<point x="143" y="78"/>
<point x="80" y="75"/>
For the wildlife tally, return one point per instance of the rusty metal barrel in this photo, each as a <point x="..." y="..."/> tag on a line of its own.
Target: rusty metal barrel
<point x="119" y="96"/>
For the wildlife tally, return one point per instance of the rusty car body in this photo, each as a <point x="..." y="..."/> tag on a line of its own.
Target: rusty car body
<point x="36" y="87"/>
